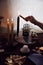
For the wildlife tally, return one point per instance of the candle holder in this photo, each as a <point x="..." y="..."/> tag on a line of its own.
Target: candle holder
<point x="17" y="25"/>
<point x="8" y="30"/>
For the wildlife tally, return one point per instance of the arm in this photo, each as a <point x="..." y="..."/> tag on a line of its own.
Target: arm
<point x="39" y="24"/>
<point x="33" y="20"/>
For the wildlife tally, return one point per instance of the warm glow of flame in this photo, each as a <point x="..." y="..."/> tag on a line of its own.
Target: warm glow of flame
<point x="12" y="19"/>
<point x="7" y="19"/>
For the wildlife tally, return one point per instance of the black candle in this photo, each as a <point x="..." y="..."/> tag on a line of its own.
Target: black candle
<point x="17" y="25"/>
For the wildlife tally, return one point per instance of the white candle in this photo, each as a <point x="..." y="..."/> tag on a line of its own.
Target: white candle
<point x="12" y="29"/>
<point x="12" y="26"/>
<point x="8" y="29"/>
<point x="8" y="25"/>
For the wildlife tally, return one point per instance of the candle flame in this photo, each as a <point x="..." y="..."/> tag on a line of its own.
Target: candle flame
<point x="12" y="19"/>
<point x="8" y="19"/>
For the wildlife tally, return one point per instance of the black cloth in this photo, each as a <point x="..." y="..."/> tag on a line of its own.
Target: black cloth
<point x="36" y="58"/>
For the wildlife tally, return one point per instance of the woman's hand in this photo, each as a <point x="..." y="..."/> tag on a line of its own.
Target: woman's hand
<point x="28" y="18"/>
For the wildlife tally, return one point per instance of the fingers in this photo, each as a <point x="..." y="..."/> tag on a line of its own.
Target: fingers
<point x="29" y="18"/>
